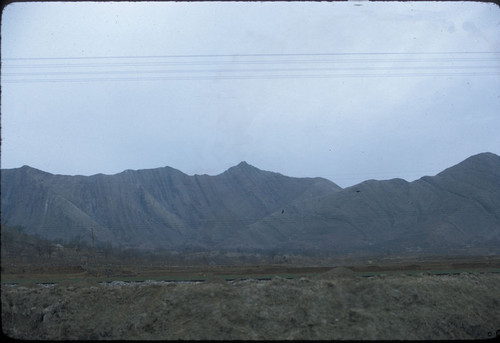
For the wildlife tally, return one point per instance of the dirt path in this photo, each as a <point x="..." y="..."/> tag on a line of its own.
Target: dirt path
<point x="334" y="305"/>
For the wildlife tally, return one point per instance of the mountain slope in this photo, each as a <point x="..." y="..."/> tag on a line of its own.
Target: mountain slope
<point x="457" y="209"/>
<point x="160" y="207"/>
<point x="246" y="208"/>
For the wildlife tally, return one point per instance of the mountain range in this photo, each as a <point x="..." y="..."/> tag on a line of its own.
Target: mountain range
<point x="248" y="209"/>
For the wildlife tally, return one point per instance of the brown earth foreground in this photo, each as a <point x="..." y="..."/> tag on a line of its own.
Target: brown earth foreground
<point x="337" y="304"/>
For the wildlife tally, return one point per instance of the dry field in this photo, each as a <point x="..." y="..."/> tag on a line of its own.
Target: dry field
<point x="335" y="304"/>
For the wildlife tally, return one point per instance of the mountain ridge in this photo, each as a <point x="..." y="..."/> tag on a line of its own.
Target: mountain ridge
<point x="247" y="208"/>
<point x="161" y="204"/>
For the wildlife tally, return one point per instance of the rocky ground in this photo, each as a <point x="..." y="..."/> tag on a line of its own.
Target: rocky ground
<point x="334" y="305"/>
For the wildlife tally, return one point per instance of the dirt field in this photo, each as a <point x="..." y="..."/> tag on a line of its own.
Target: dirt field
<point x="337" y="304"/>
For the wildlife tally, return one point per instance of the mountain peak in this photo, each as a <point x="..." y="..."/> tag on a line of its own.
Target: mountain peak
<point x="485" y="161"/>
<point x="243" y="168"/>
<point x="484" y="156"/>
<point x="243" y="165"/>
<point x="27" y="169"/>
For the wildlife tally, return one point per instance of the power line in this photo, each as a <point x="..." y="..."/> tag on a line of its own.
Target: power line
<point x="239" y="67"/>
<point x="251" y="62"/>
<point x="255" y="55"/>
<point x="253" y="77"/>
<point x="242" y="70"/>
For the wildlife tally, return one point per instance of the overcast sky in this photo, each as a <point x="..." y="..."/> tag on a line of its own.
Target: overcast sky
<point x="348" y="91"/>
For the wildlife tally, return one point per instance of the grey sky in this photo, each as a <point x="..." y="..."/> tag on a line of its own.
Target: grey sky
<point x="344" y="90"/>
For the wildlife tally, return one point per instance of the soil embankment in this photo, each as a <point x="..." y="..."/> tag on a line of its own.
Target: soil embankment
<point x="337" y="304"/>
